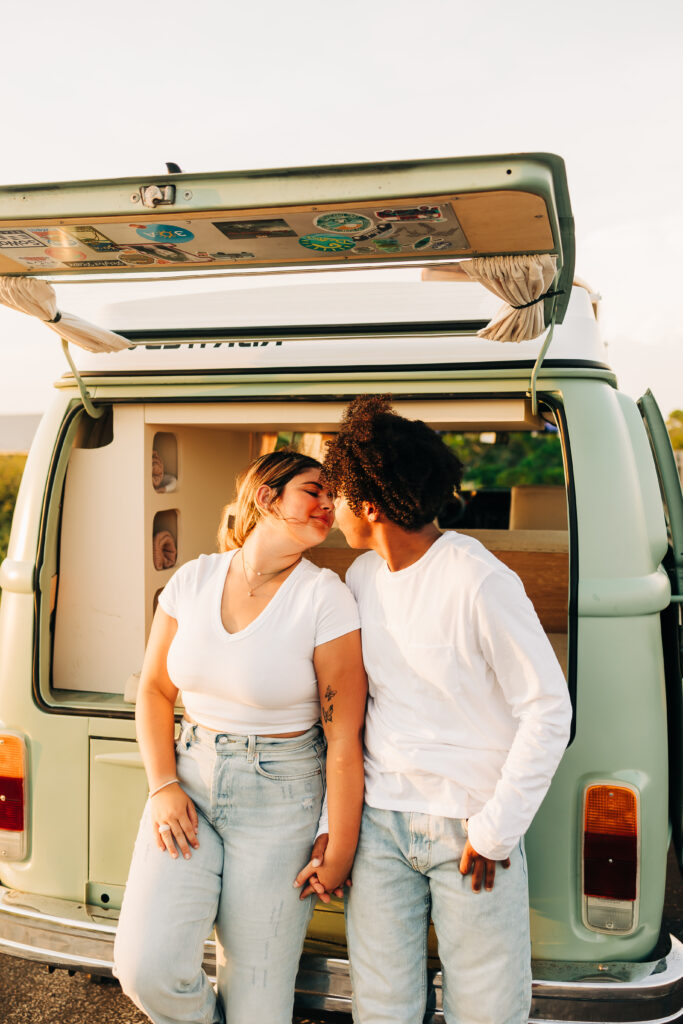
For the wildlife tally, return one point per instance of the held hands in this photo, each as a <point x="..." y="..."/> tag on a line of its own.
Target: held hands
<point x="174" y="820"/>
<point x="321" y="876"/>
<point x="482" y="868"/>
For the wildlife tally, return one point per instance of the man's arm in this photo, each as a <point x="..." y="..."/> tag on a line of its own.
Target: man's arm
<point x="516" y="648"/>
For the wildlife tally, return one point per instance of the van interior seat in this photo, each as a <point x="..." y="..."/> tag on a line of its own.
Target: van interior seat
<point x="536" y="507"/>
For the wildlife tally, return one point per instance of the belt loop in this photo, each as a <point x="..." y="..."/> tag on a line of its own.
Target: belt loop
<point x="251" y="749"/>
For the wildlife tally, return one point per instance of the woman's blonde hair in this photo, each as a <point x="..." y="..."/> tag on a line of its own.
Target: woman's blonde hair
<point x="274" y="470"/>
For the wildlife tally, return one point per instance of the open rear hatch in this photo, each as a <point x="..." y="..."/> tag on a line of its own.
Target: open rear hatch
<point x="395" y="214"/>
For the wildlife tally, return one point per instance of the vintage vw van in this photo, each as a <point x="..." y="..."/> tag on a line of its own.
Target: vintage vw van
<point x="568" y="480"/>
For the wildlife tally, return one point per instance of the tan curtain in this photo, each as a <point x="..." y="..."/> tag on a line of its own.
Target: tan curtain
<point x="37" y="298"/>
<point x="519" y="280"/>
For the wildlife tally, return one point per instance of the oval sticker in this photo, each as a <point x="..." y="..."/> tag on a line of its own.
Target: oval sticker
<point x="165" y="233"/>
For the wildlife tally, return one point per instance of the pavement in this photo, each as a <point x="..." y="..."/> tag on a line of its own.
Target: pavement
<point x="30" y="995"/>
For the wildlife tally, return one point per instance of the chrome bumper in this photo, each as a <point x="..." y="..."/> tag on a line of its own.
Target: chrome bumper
<point x="78" y="937"/>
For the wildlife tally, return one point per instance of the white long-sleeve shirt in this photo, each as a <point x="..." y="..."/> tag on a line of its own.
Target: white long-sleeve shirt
<point x="468" y="711"/>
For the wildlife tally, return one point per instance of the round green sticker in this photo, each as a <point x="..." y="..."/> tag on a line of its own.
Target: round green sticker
<point x="343" y="223"/>
<point x="326" y="243"/>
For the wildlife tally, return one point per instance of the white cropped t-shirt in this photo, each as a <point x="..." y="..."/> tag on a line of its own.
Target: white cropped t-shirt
<point x="260" y="680"/>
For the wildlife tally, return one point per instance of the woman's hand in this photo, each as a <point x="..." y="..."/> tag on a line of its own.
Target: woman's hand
<point x="174" y="820"/>
<point x="309" y="876"/>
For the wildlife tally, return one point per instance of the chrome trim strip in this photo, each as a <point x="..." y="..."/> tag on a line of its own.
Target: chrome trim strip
<point x="80" y="937"/>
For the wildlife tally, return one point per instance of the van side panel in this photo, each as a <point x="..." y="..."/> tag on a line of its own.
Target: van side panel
<point x="57" y="746"/>
<point x="620" y="712"/>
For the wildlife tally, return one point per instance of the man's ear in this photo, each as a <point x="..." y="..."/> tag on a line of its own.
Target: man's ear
<point x="371" y="512"/>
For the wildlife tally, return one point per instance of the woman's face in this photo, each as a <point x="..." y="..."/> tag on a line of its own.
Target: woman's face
<point x="306" y="508"/>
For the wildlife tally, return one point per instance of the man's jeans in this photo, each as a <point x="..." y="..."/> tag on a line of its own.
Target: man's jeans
<point x="406" y="867"/>
<point x="258" y="802"/>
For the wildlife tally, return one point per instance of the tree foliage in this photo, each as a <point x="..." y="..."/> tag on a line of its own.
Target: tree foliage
<point x="11" y="469"/>
<point x="675" y="427"/>
<point x="522" y="457"/>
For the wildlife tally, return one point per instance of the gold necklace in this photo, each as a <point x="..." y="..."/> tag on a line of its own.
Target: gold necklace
<point x="271" y="575"/>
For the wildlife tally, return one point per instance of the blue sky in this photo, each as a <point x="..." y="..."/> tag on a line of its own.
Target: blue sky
<point x="94" y="90"/>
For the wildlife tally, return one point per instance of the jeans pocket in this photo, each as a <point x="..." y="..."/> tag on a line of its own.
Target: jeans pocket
<point x="287" y="769"/>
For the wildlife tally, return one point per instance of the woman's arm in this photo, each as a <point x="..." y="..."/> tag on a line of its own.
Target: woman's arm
<point x="155" y="725"/>
<point x="342" y="685"/>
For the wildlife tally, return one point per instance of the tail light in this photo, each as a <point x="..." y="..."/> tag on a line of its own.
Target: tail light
<point x="12" y="797"/>
<point x="610" y="857"/>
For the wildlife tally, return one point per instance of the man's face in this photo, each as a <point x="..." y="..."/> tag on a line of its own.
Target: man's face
<point x="356" y="529"/>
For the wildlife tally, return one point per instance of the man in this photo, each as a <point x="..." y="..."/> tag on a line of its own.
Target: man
<point x="468" y="716"/>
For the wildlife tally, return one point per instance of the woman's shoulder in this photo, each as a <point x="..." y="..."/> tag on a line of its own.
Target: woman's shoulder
<point x="323" y="582"/>
<point x="195" y="573"/>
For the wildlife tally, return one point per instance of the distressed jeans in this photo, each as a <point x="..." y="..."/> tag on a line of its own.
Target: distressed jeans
<point x="406" y="867"/>
<point x="258" y="802"/>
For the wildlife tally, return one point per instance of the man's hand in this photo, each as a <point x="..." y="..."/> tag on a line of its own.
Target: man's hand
<point x="482" y="868"/>
<point x="308" y="876"/>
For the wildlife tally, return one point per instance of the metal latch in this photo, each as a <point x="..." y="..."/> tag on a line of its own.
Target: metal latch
<point x="157" y="195"/>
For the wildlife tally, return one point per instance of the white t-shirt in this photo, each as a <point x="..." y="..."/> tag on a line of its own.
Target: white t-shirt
<point x="260" y="680"/>
<point x="468" y="711"/>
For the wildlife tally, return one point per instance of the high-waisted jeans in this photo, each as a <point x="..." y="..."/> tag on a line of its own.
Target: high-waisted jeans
<point x="258" y="801"/>
<point x="406" y="866"/>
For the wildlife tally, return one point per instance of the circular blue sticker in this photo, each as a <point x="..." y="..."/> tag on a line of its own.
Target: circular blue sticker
<point x="343" y="223"/>
<point x="326" y="243"/>
<point x="165" y="233"/>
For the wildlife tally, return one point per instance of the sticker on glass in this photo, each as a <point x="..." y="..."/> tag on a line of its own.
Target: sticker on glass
<point x="93" y="238"/>
<point x="388" y="245"/>
<point x="136" y="258"/>
<point x="231" y="255"/>
<point x="343" y="223"/>
<point x="410" y="213"/>
<point x="13" y="238"/>
<point x="375" y="230"/>
<point x="159" y="252"/>
<point x="273" y="228"/>
<point x="422" y="243"/>
<point x="37" y="261"/>
<point x="326" y="243"/>
<point x="165" y="233"/>
<point x="55" y="236"/>
<point x="95" y="263"/>
<point x="62" y="255"/>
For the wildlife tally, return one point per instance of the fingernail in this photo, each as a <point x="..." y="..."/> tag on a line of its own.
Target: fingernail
<point x="187" y="856"/>
<point x="316" y="862"/>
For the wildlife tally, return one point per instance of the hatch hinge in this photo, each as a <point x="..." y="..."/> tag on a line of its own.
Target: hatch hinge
<point x="91" y="410"/>
<point x="157" y="195"/>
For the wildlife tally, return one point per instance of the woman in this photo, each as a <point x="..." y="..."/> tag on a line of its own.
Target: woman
<point x="258" y="640"/>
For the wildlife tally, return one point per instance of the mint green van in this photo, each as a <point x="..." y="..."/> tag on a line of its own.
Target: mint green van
<point x="252" y="307"/>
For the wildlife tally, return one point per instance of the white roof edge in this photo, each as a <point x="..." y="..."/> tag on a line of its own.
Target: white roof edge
<point x="576" y="339"/>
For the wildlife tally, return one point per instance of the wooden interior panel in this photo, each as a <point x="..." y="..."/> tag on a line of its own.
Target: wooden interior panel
<point x="544" y="573"/>
<point x="499" y="222"/>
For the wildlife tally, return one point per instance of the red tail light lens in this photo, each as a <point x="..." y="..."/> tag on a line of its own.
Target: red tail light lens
<point x="610" y="845"/>
<point x="610" y="857"/>
<point x="12" y="794"/>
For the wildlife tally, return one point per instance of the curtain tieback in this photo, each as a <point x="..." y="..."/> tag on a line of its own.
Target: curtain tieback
<point x="546" y="295"/>
<point x="56" y="318"/>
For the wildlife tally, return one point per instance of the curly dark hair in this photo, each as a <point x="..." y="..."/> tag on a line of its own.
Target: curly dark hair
<point x="401" y="466"/>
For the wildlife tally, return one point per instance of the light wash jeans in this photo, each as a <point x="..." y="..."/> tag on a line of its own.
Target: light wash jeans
<point x="406" y="866"/>
<point x="258" y="802"/>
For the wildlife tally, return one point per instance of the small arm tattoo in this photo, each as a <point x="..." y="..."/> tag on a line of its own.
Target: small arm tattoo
<point x="330" y="693"/>
<point x="327" y="713"/>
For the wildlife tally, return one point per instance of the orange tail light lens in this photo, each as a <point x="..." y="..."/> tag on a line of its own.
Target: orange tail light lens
<point x="12" y="783"/>
<point x="610" y="842"/>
